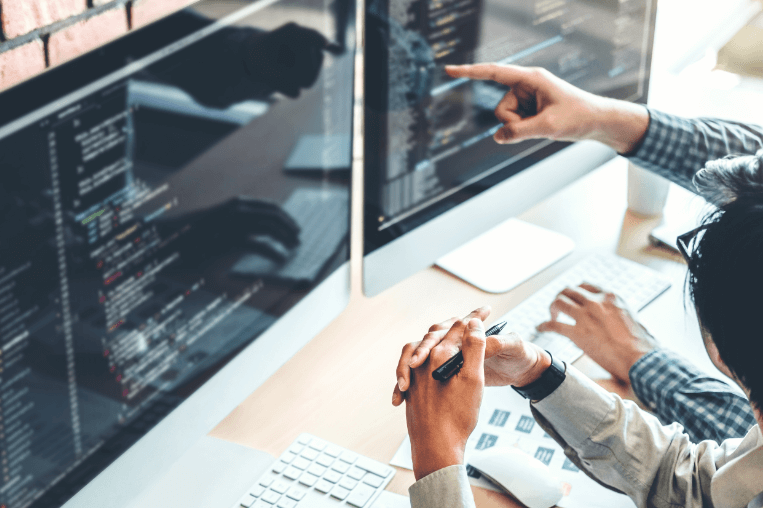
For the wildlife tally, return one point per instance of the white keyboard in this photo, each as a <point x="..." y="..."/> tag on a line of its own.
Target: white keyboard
<point x="636" y="284"/>
<point x="314" y="473"/>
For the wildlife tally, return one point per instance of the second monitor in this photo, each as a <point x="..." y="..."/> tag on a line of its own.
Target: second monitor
<point x="434" y="177"/>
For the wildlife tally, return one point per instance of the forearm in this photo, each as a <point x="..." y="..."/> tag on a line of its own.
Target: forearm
<point x="618" y="124"/>
<point x="623" y="447"/>
<point x="677" y="148"/>
<point x="676" y="391"/>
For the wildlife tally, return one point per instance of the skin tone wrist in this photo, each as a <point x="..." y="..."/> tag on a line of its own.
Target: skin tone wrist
<point x="542" y="363"/>
<point x="618" y="124"/>
<point x="430" y="458"/>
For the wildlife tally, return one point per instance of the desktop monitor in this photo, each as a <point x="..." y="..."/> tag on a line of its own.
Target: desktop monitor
<point x="434" y="177"/>
<point x="160" y="256"/>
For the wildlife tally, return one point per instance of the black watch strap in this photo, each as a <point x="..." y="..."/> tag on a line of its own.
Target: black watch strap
<point x="549" y="381"/>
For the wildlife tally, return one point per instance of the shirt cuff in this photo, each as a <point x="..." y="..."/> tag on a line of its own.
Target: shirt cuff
<point x="651" y="370"/>
<point x="633" y="151"/>
<point x="664" y="133"/>
<point x="447" y="487"/>
<point x="576" y="408"/>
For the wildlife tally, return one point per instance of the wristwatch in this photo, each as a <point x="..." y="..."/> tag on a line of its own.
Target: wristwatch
<point x="549" y="381"/>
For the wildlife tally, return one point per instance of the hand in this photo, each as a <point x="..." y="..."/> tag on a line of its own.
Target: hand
<point x="288" y="59"/>
<point x="239" y="222"/>
<point x="508" y="359"/>
<point x="541" y="105"/>
<point x="604" y="328"/>
<point x="442" y="416"/>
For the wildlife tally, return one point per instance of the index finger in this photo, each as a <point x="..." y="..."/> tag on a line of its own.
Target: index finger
<point x="505" y="74"/>
<point x="473" y="348"/>
<point x="591" y="287"/>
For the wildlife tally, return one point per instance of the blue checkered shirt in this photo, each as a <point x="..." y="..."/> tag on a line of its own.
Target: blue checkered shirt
<point x="676" y="148"/>
<point x="677" y="391"/>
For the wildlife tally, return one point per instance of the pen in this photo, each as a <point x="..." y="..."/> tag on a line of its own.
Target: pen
<point x="454" y="364"/>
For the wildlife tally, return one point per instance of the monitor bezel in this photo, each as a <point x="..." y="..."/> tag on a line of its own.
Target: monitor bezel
<point x="145" y="462"/>
<point x="390" y="257"/>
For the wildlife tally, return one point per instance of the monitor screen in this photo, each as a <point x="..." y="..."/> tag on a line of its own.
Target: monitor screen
<point x="163" y="201"/>
<point x="429" y="138"/>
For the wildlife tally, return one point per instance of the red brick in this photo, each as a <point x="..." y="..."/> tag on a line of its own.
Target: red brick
<point x="21" y="63"/>
<point x="23" y="16"/>
<point x="146" y="11"/>
<point x="86" y="35"/>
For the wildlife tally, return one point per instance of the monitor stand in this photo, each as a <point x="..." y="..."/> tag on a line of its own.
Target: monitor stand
<point x="212" y="472"/>
<point x="507" y="255"/>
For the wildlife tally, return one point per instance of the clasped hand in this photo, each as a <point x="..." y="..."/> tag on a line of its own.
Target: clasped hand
<point x="442" y="415"/>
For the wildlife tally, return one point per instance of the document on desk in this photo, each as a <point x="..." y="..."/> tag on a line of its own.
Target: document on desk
<point x="389" y="499"/>
<point x="505" y="419"/>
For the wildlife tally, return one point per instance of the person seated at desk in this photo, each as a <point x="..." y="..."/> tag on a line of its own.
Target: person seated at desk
<point x="541" y="105"/>
<point x="614" y="441"/>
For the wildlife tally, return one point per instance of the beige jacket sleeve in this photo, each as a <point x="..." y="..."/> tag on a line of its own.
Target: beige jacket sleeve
<point x="627" y="449"/>
<point x="446" y="488"/>
<point x="614" y="442"/>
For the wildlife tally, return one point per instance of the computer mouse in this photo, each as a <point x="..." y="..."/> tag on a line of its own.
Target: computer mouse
<point x="523" y="477"/>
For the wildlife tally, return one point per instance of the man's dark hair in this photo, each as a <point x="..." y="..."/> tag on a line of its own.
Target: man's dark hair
<point x="726" y="266"/>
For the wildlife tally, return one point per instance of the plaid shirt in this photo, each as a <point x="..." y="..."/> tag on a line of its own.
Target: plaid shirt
<point x="676" y="148"/>
<point x="676" y="391"/>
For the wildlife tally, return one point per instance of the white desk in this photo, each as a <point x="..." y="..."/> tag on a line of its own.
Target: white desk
<point x="340" y="385"/>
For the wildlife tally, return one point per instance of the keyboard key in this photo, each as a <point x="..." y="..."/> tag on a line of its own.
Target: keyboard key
<point x="270" y="497"/>
<point x="301" y="463"/>
<point x="247" y="501"/>
<point x="288" y="457"/>
<point x="356" y="473"/>
<point x="318" y="444"/>
<point x="285" y="502"/>
<point x="332" y="476"/>
<point x="348" y="483"/>
<point x="333" y="451"/>
<point x="282" y="487"/>
<point x="310" y="454"/>
<point x="340" y="466"/>
<point x="279" y="466"/>
<point x="304" y="439"/>
<point x="373" y="480"/>
<point x="373" y="467"/>
<point x="348" y="457"/>
<point x="262" y="504"/>
<point x="308" y="479"/>
<point x="360" y="496"/>
<point x="257" y="491"/>
<point x="325" y="460"/>
<point x="339" y="492"/>
<point x="296" y="448"/>
<point x="317" y="470"/>
<point x="295" y="493"/>
<point x="292" y="473"/>
<point x="265" y="482"/>
<point x="323" y="486"/>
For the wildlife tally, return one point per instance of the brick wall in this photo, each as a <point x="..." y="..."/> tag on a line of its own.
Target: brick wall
<point x="39" y="34"/>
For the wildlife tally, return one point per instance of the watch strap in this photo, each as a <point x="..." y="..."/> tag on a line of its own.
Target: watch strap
<point x="549" y="381"/>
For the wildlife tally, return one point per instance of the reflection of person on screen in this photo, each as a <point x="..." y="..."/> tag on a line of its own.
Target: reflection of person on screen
<point x="236" y="63"/>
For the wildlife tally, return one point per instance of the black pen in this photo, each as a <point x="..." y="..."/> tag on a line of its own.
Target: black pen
<point x="454" y="364"/>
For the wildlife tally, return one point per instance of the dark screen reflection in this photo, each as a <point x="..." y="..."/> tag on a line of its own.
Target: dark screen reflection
<point x="154" y="225"/>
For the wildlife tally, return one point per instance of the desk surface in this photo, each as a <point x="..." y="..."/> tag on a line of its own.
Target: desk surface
<point x="340" y="385"/>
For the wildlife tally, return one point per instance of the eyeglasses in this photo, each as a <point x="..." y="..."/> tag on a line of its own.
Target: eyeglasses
<point x="684" y="241"/>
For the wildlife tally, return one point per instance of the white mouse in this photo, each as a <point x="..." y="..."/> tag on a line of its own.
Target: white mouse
<point x="523" y="477"/>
